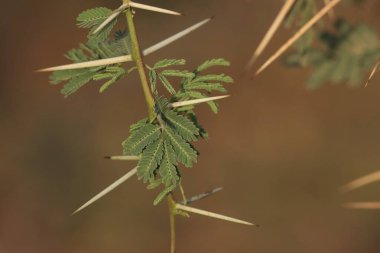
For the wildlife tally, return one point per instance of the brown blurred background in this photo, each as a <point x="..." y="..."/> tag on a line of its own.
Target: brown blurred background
<point x="280" y="151"/>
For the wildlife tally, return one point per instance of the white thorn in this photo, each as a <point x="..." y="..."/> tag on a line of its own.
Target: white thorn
<point x="362" y="181"/>
<point x="362" y="205"/>
<point x="271" y="31"/>
<point x="212" y="215"/>
<point x="90" y="64"/>
<point x="108" y="189"/>
<point x="152" y="8"/>
<point x="197" y="101"/>
<point x="174" y="37"/>
<point x="124" y="158"/>
<point x="111" y="17"/>
<point x="127" y="58"/>
<point x="299" y="34"/>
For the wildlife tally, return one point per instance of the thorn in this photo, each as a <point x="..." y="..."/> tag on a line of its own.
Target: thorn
<point x="107" y="190"/>
<point x="152" y="8"/>
<point x="90" y="64"/>
<point x="212" y="215"/>
<point x="375" y="68"/>
<point x="362" y="205"/>
<point x="197" y="101"/>
<point x="113" y="15"/>
<point x="201" y="196"/>
<point x="175" y="37"/>
<point x="127" y="58"/>
<point x="123" y="158"/>
<point x="270" y="33"/>
<point x="362" y="181"/>
<point x="299" y="34"/>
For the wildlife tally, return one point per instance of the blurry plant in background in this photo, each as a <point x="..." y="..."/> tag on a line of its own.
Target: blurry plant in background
<point x="340" y="52"/>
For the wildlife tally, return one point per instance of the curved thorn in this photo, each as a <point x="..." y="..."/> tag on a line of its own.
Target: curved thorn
<point x="107" y="190"/>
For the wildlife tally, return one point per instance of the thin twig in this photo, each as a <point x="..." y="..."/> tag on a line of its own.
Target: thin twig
<point x="107" y="190"/>
<point x="270" y="33"/>
<point x="299" y="34"/>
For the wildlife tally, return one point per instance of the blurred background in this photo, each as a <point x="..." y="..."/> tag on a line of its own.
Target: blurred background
<point x="280" y="151"/>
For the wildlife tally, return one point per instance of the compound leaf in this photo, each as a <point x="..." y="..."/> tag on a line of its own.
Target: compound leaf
<point x="141" y="138"/>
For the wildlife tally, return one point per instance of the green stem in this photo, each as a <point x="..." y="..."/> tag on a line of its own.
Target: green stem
<point x="172" y="210"/>
<point x="137" y="57"/>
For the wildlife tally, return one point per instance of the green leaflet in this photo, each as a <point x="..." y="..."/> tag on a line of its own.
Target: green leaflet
<point x="150" y="159"/>
<point x="183" y="151"/>
<point x="212" y="63"/>
<point x="183" y="126"/>
<point x="177" y="73"/>
<point x="113" y="73"/>
<point x="163" y="194"/>
<point x="138" y="125"/>
<point x="153" y="81"/>
<point x="93" y="17"/>
<point x="168" y="170"/>
<point x="167" y="84"/>
<point x="94" y="50"/>
<point x="214" y="78"/>
<point x="168" y="63"/>
<point x="209" y="87"/>
<point x="141" y="138"/>
<point x="76" y="83"/>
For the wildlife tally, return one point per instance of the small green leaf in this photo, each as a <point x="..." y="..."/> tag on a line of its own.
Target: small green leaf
<point x="141" y="138"/>
<point x="93" y="17"/>
<point x="178" y="73"/>
<point x="169" y="62"/>
<point x="183" y="126"/>
<point x="184" y="152"/>
<point x="163" y="194"/>
<point x="167" y="84"/>
<point x="212" y="63"/>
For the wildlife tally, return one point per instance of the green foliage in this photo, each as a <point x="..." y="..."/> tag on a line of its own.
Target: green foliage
<point x="193" y="85"/>
<point x="140" y="138"/>
<point x="163" y="143"/>
<point x="92" y="18"/>
<point x="344" y="55"/>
